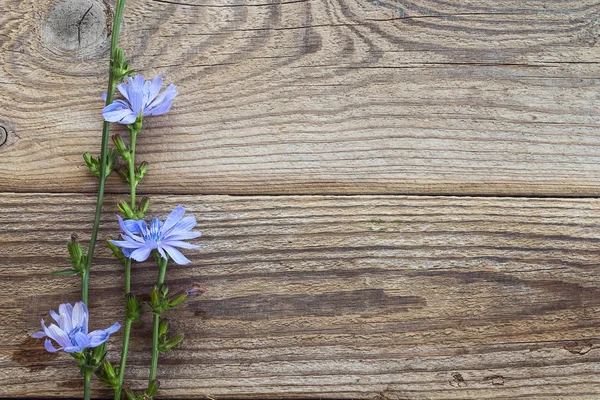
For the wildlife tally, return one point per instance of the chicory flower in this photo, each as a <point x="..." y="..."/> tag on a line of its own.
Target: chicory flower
<point x="71" y="333"/>
<point x="141" y="99"/>
<point x="139" y="239"/>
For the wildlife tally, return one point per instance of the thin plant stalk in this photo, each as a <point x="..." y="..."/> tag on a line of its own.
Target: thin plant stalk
<point x="128" y="321"/>
<point x="87" y="386"/>
<point x="162" y="269"/>
<point x="110" y="93"/>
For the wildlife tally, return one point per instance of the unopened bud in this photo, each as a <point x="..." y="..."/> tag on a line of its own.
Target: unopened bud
<point x="116" y="250"/>
<point x="121" y="147"/>
<point x="143" y="207"/>
<point x="92" y="163"/>
<point x="141" y="171"/>
<point x="152" y="388"/>
<point x="124" y="173"/>
<point x="134" y="307"/>
<point x="163" y="327"/>
<point x="123" y="206"/>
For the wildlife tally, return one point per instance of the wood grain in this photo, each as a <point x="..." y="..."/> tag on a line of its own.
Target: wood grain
<point x="378" y="297"/>
<point x="314" y="96"/>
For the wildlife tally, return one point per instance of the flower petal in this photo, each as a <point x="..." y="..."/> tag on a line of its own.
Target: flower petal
<point x="162" y="103"/>
<point x="141" y="254"/>
<point x="185" y="224"/>
<point x="100" y="336"/>
<point x="154" y="88"/>
<point x="172" y="219"/>
<point x="135" y="93"/>
<point x="66" y="308"/>
<point x="59" y="336"/>
<point x="55" y="316"/>
<point x="113" y="328"/>
<point x="66" y="317"/>
<point x="121" y="115"/>
<point x="162" y="253"/>
<point x="123" y="89"/>
<point x="80" y="316"/>
<point x="49" y="347"/>
<point x="130" y="227"/>
<point x="81" y="340"/>
<point x="179" y="243"/>
<point x="38" y="335"/>
<point x="126" y="244"/>
<point x="175" y="255"/>
<point x="182" y="236"/>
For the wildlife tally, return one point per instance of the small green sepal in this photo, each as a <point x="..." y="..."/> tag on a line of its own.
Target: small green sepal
<point x="123" y="150"/>
<point x="117" y="252"/>
<point x="134" y="307"/>
<point x="90" y="360"/>
<point x="152" y="389"/>
<point x="108" y="374"/>
<point x="124" y="208"/>
<point x="120" y="65"/>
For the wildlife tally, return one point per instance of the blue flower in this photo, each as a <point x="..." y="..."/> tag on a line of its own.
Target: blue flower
<point x="140" y="99"/>
<point x="71" y="334"/>
<point x="139" y="239"/>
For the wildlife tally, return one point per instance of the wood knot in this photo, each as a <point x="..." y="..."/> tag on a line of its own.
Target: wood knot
<point x="77" y="27"/>
<point x="457" y="380"/>
<point x="3" y="136"/>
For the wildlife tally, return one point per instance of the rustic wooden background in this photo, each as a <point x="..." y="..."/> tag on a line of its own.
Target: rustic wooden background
<point x="398" y="198"/>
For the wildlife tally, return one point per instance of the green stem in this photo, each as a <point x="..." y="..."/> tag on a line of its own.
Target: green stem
<point x="110" y="93"/>
<point x="87" y="383"/>
<point x="127" y="331"/>
<point x="123" y="362"/>
<point x="162" y="269"/>
<point x="128" y="276"/>
<point x="131" y="163"/>
<point x="154" y="364"/>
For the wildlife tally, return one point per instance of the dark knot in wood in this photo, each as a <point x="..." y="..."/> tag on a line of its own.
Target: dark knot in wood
<point x="3" y="136"/>
<point x="78" y="26"/>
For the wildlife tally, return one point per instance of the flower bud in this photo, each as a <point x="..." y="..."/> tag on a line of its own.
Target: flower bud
<point x="117" y="252"/>
<point x="121" y="147"/>
<point x="129" y="395"/>
<point x="75" y="250"/>
<point x="152" y="388"/>
<point x="141" y="171"/>
<point x="119" y="65"/>
<point x="163" y="327"/>
<point x="98" y="354"/>
<point x="108" y="374"/>
<point x="169" y="344"/>
<point x="127" y="212"/>
<point x="142" y="208"/>
<point x="111" y="157"/>
<point x="77" y="257"/>
<point x="124" y="173"/>
<point x="154" y="299"/>
<point x="92" y="163"/>
<point x="134" y="307"/>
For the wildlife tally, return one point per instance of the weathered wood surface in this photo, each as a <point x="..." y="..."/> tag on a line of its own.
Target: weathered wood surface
<point x="314" y="96"/>
<point x="341" y="297"/>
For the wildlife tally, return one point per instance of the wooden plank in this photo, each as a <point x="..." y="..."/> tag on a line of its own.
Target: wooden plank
<point x="314" y="96"/>
<point x="331" y="297"/>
